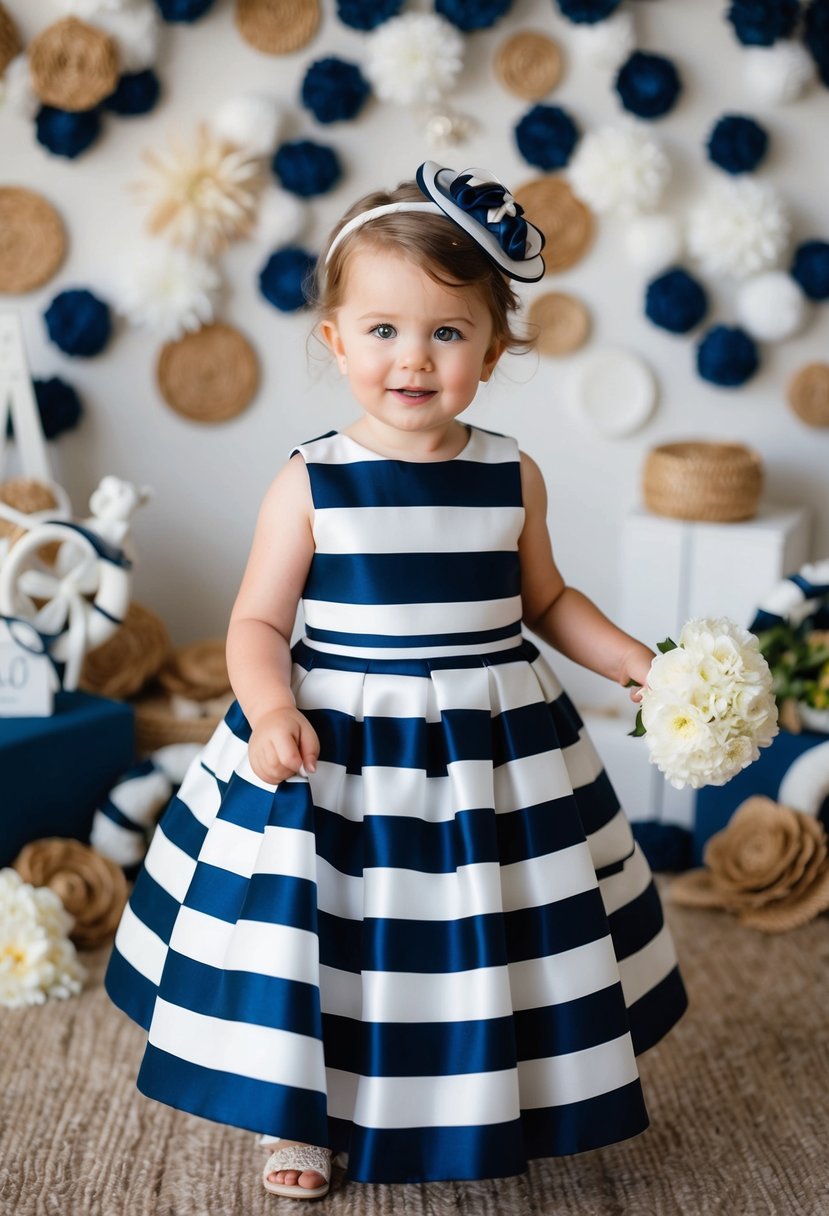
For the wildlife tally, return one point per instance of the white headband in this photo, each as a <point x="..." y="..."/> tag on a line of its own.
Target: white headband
<point x="373" y="214"/>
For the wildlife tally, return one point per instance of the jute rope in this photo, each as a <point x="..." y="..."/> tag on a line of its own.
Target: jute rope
<point x="92" y="888"/>
<point x="197" y="672"/>
<point x="705" y="481"/>
<point x="162" y="719"/>
<point x="10" y="44"/>
<point x="528" y="64"/>
<point x="210" y="375"/>
<point x="27" y="495"/>
<point x="277" y="27"/>
<point x="563" y="323"/>
<point x="32" y="240"/>
<point x="809" y="394"/>
<point x="73" y="65"/>
<point x="564" y="219"/>
<point x="128" y="660"/>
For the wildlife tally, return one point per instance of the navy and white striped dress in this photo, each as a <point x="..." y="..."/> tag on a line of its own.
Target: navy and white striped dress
<point x="443" y="950"/>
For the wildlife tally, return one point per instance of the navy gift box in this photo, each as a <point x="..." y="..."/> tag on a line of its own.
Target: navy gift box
<point x="54" y="771"/>
<point x="716" y="804"/>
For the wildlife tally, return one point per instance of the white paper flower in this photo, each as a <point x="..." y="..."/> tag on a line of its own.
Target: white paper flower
<point x="166" y="290"/>
<point x="620" y="169"/>
<point x="771" y="306"/>
<point x="252" y="121"/>
<point x="654" y="242"/>
<point x="281" y="219"/>
<point x="414" y="58"/>
<point x="16" y="88"/>
<point x="606" y="44"/>
<point x="708" y="706"/>
<point x="135" y="32"/>
<point x="780" y="73"/>
<point x="738" y="228"/>
<point x="37" y="960"/>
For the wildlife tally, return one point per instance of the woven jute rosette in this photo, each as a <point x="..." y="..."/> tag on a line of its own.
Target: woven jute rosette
<point x="809" y="394"/>
<point x="27" y="495"/>
<point x="133" y="656"/>
<point x="73" y="65"/>
<point x="32" y="240"/>
<point x="562" y="321"/>
<point x="92" y="888"/>
<point x="566" y="222"/>
<point x="210" y="375"/>
<point x="720" y="482"/>
<point x="277" y="27"/>
<point x="197" y="671"/>
<point x="10" y="44"/>
<point x="528" y="64"/>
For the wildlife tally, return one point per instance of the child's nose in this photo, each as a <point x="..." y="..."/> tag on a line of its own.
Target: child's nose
<point x="416" y="357"/>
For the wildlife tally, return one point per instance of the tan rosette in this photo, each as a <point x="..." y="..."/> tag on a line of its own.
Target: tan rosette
<point x="277" y="27"/>
<point x="209" y="375"/>
<point x="809" y="394"/>
<point x="10" y="44"/>
<point x="32" y="240"/>
<point x="163" y="719"/>
<point x="769" y="866"/>
<point x="566" y="222"/>
<point x="27" y="495"/>
<point x="696" y="479"/>
<point x="73" y="65"/>
<point x="129" y="659"/>
<point x="562" y="322"/>
<point x="92" y="888"/>
<point x="528" y="64"/>
<point x="197" y="672"/>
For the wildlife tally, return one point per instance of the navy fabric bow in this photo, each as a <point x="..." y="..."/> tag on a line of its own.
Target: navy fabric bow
<point x="510" y="231"/>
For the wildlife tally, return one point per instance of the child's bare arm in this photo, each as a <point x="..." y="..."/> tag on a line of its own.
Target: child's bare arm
<point x="259" y="634"/>
<point x="561" y="615"/>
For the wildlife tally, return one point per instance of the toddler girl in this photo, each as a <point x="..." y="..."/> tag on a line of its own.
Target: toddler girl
<point x="395" y="910"/>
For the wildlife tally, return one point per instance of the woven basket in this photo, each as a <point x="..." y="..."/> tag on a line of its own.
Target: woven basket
<point x="156" y="724"/>
<point x="720" y="482"/>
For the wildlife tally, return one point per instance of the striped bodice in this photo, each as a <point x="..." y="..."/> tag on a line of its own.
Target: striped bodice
<point x="414" y="559"/>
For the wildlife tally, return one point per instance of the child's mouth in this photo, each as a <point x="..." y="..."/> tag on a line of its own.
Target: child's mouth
<point x="413" y="394"/>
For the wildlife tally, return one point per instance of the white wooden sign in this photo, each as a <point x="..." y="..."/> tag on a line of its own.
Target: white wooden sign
<point x="27" y="678"/>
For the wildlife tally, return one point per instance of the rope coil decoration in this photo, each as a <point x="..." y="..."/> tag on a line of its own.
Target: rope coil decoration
<point x="74" y="66"/>
<point x="719" y="482"/>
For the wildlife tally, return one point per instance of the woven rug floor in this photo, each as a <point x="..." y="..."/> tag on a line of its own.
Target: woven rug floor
<point x="738" y="1096"/>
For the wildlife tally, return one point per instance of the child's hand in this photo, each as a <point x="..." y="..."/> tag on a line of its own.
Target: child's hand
<point x="636" y="664"/>
<point x="280" y="742"/>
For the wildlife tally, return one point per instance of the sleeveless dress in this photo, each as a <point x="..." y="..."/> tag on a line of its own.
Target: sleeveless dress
<point x="442" y="951"/>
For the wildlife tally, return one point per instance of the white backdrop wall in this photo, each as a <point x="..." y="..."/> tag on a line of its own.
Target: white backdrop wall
<point x="208" y="480"/>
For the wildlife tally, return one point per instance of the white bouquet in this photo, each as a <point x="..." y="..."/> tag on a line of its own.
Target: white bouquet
<point x="36" y="957"/>
<point x="708" y="705"/>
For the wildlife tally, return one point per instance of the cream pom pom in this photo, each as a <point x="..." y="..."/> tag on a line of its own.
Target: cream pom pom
<point x="738" y="228"/>
<point x="780" y="73"/>
<point x="654" y="242"/>
<point x="281" y="219"/>
<point x="16" y="88"/>
<point x="606" y="44"/>
<point x="252" y="121"/>
<point x="166" y="290"/>
<point x="619" y="169"/>
<point x="416" y="57"/>
<point x="135" y="31"/>
<point x="771" y="307"/>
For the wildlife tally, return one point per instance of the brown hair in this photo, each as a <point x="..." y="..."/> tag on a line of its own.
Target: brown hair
<point x="432" y="242"/>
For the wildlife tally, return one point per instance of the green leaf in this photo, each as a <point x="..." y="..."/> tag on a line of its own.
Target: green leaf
<point x="639" y="729"/>
<point x="664" y="647"/>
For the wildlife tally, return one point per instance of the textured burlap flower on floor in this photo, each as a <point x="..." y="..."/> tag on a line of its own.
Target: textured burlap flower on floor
<point x="92" y="888"/>
<point x="769" y="866"/>
<point x="128" y="660"/>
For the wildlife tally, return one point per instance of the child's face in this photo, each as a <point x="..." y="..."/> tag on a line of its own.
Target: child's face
<point x="413" y="350"/>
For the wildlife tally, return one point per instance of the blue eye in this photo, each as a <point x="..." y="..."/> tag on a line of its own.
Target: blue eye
<point x="448" y="333"/>
<point x="383" y="330"/>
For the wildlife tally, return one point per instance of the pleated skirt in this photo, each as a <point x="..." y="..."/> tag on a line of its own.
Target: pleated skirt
<point x="440" y="953"/>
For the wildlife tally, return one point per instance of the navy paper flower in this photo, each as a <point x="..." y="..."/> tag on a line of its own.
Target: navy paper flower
<point x="648" y="85"/>
<point x="59" y="406"/>
<point x="285" y="278"/>
<point x="666" y="846"/>
<point x="334" y="90"/>
<point x="183" y="10"/>
<point x="67" y="133"/>
<point x="810" y="269"/>
<point x="727" y="357"/>
<point x="762" y="22"/>
<point x="675" y="301"/>
<point x="816" y="36"/>
<point x="587" y="12"/>
<point x="306" y="168"/>
<point x="546" y="137"/>
<point x="479" y="201"/>
<point x="136" y="93"/>
<point x="78" y="322"/>
<point x="367" y="14"/>
<point x="470" y="15"/>
<point x="737" y="143"/>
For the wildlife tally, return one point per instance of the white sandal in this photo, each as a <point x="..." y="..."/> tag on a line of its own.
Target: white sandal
<point x="298" y="1157"/>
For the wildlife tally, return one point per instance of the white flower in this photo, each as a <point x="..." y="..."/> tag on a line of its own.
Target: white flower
<point x="771" y="306"/>
<point x="654" y="242"/>
<point x="135" y="31"/>
<point x="619" y="169"/>
<point x="252" y="121"/>
<point x="281" y="219"/>
<point x="166" y="290"/>
<point x="17" y="90"/>
<point x="738" y="228"/>
<point x="607" y="44"/>
<point x="37" y="959"/>
<point x="780" y="73"/>
<point x="414" y="58"/>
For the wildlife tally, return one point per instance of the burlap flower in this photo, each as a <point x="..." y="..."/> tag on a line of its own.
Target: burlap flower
<point x="92" y="888"/>
<point x="197" y="672"/>
<point x="769" y="866"/>
<point x="74" y="65"/>
<point x="9" y="39"/>
<point x="130" y="658"/>
<point x="27" y="495"/>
